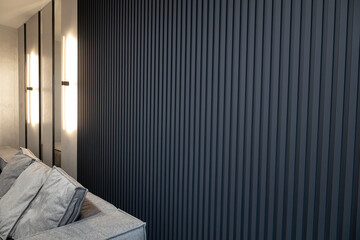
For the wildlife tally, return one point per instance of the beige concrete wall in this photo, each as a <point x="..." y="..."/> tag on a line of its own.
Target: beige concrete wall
<point x="46" y="85"/>
<point x="69" y="138"/>
<point x="9" y="87"/>
<point x="32" y="50"/>
<point x="21" y="63"/>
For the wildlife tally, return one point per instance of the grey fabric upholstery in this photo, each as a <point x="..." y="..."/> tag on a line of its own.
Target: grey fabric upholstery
<point x="94" y="205"/>
<point x="115" y="225"/>
<point x="78" y="193"/>
<point x="98" y="219"/>
<point x="58" y="203"/>
<point x="6" y="153"/>
<point x="12" y="171"/>
<point x="18" y="198"/>
<point x="27" y="152"/>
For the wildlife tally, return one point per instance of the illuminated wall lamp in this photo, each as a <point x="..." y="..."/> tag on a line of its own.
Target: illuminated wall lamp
<point x="32" y="72"/>
<point x="69" y="80"/>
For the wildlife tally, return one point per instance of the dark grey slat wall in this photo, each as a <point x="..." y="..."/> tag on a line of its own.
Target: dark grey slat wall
<point x="225" y="119"/>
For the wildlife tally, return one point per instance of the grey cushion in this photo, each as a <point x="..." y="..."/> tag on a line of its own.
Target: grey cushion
<point x="12" y="171"/>
<point x="18" y="198"/>
<point x="27" y="152"/>
<point x="113" y="225"/>
<point x="58" y="203"/>
<point x="6" y="153"/>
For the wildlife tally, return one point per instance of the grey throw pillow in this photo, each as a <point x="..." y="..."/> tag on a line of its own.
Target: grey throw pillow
<point x="6" y="153"/>
<point x="58" y="203"/>
<point x="12" y="171"/>
<point x="20" y="195"/>
<point x="29" y="153"/>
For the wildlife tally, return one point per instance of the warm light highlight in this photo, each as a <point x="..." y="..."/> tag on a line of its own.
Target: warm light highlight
<point x="32" y="75"/>
<point x="28" y="119"/>
<point x="69" y="93"/>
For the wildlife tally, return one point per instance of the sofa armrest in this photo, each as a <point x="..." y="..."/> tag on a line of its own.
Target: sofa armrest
<point x="115" y="225"/>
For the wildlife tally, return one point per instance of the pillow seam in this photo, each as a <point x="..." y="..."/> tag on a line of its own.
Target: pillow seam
<point x="67" y="208"/>
<point x="70" y="180"/>
<point x="78" y="209"/>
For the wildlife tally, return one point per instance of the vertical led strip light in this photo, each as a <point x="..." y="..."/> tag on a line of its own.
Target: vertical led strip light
<point x="32" y="80"/>
<point x="69" y="82"/>
<point x="27" y="85"/>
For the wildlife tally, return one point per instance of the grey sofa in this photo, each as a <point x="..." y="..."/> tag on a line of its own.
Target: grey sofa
<point x="98" y="219"/>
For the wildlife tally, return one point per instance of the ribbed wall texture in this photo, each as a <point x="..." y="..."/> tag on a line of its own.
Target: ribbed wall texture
<point x="223" y="119"/>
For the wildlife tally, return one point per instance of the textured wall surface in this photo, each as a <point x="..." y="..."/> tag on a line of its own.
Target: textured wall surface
<point x="225" y="119"/>
<point x="22" y="83"/>
<point x="47" y="84"/>
<point x="32" y="80"/>
<point x="9" y="87"/>
<point x="69" y="138"/>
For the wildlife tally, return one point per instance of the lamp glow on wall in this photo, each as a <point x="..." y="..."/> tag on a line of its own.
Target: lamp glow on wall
<point x="69" y="83"/>
<point x="32" y="73"/>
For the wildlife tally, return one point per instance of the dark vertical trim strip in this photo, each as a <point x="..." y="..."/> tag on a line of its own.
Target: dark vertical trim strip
<point x="39" y="42"/>
<point x="25" y="84"/>
<point x="53" y="79"/>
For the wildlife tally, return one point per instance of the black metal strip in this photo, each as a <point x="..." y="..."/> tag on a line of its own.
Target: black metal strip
<point x="25" y="83"/>
<point x="39" y="50"/>
<point x="53" y="81"/>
